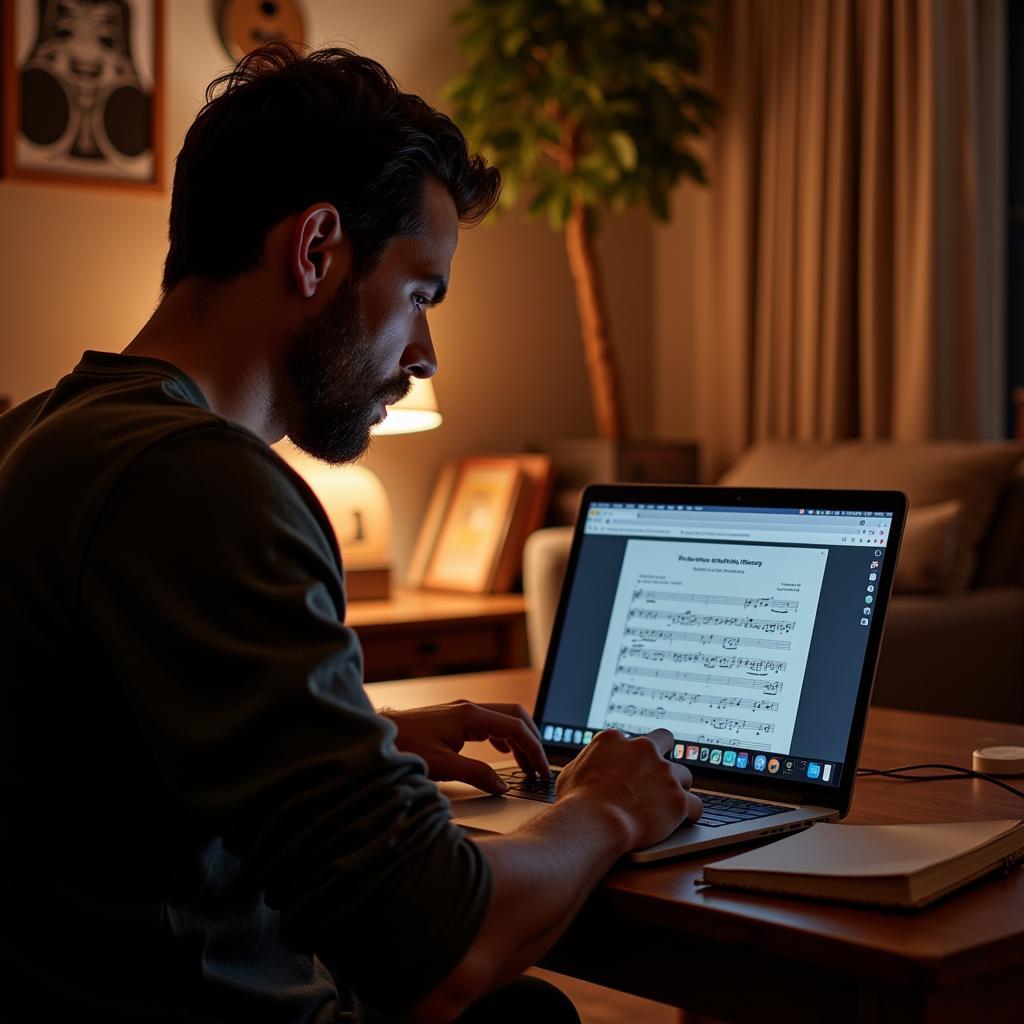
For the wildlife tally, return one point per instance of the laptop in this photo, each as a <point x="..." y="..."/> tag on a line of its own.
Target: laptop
<point x="745" y="621"/>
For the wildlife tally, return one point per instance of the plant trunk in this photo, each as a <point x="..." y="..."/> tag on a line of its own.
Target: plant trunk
<point x="605" y="386"/>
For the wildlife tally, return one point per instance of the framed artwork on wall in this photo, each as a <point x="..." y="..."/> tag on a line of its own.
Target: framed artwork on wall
<point x="82" y="91"/>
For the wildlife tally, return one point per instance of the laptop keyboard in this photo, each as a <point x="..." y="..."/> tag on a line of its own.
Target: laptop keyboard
<point x="727" y="810"/>
<point x="528" y="786"/>
<point x="719" y="810"/>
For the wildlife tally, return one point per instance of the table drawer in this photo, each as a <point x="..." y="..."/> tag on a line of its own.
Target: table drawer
<point x="426" y="652"/>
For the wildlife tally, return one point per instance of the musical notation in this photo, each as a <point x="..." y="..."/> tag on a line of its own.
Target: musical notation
<point x="755" y="666"/>
<point x="720" y="724"/>
<point x="728" y="642"/>
<point x="707" y="644"/>
<point x="771" y="687"/>
<point x="721" y="741"/>
<point x="775" y="604"/>
<point x="709" y="738"/>
<point x="682" y="697"/>
<point x="692" y="619"/>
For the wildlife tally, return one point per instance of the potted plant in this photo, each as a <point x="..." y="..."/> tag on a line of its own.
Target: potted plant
<point x="587" y="107"/>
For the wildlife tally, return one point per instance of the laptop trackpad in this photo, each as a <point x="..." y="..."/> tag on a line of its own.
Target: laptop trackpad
<point x="502" y="814"/>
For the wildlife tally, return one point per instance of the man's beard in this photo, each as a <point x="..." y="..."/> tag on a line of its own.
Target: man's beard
<point x="334" y="381"/>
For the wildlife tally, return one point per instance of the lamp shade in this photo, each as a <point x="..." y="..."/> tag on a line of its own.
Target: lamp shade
<point x="417" y="411"/>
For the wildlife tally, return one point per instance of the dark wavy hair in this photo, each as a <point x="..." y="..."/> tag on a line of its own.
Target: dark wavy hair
<point x="286" y="129"/>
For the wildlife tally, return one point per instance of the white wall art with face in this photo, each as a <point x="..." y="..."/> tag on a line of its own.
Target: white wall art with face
<point x="81" y="89"/>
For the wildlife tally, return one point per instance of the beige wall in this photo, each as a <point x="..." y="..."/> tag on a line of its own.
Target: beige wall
<point x="81" y="269"/>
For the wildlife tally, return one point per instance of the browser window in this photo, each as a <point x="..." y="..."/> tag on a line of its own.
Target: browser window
<point x="742" y="631"/>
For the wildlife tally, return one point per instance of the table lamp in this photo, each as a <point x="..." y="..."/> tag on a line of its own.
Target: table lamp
<point x="355" y="500"/>
<point x="414" y="413"/>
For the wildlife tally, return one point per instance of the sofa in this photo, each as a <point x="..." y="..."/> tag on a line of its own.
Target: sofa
<point x="954" y="637"/>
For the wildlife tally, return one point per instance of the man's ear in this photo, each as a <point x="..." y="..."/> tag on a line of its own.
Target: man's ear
<point x="319" y="249"/>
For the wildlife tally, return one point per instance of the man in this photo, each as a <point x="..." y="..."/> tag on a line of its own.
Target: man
<point x="204" y="818"/>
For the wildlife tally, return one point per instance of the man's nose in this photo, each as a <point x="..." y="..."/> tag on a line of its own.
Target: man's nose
<point x="419" y="359"/>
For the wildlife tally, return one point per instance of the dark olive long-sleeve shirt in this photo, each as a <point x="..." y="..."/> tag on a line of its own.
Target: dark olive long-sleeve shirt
<point x="203" y="818"/>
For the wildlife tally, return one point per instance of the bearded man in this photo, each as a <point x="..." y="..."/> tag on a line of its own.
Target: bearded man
<point x="204" y="819"/>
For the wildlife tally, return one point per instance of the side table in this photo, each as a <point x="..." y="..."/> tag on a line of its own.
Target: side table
<point x="423" y="633"/>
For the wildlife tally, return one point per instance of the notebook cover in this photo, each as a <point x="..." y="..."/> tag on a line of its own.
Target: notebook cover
<point x="873" y="863"/>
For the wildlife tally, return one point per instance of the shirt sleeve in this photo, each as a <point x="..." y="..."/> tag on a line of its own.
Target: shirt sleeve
<point x="211" y="589"/>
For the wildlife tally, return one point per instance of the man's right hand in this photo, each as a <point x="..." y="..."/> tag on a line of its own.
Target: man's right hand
<point x="617" y="795"/>
<point x="633" y="778"/>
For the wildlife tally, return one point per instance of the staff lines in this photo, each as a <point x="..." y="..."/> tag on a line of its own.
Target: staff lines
<point x="692" y="619"/>
<point x="729" y="642"/>
<point x="778" y="605"/>
<point x="684" y="697"/>
<point x="736" y="725"/>
<point x="755" y="666"/>
<point x="767" y="686"/>
<point x="702" y="738"/>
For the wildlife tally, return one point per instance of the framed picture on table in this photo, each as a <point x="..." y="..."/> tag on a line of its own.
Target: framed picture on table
<point x="81" y="82"/>
<point x="483" y="508"/>
<point x="483" y="503"/>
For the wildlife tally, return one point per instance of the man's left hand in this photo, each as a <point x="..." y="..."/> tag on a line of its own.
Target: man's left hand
<point x="438" y="733"/>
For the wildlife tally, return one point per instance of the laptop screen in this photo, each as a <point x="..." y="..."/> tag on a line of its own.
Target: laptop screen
<point x="742" y="630"/>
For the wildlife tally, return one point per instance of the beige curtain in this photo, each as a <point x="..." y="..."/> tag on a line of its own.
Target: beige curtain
<point x="836" y="288"/>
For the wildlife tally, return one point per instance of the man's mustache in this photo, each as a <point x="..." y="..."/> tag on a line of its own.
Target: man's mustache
<point x="396" y="390"/>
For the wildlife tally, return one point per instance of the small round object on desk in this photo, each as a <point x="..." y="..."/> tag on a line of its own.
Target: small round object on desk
<point x="999" y="760"/>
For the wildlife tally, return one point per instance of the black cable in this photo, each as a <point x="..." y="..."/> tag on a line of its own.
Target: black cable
<point x="954" y="772"/>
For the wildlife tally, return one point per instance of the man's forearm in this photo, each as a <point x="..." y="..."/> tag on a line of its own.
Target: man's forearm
<point x="541" y="875"/>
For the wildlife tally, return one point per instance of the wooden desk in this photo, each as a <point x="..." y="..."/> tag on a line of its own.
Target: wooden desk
<point x="419" y="633"/>
<point x="652" y="932"/>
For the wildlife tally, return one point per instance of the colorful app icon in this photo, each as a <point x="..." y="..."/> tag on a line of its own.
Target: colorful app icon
<point x="864" y="622"/>
<point x="742" y="759"/>
<point x="774" y="766"/>
<point x="729" y="758"/>
<point x="760" y="762"/>
<point x="549" y="731"/>
<point x="679" y="751"/>
<point x="872" y="576"/>
<point x="588" y="736"/>
<point x="577" y="736"/>
<point x="558" y="734"/>
<point x="716" y="757"/>
<point x="868" y="599"/>
<point x="826" y="773"/>
<point x="705" y="753"/>
<point x="692" y="752"/>
<point x="813" y="770"/>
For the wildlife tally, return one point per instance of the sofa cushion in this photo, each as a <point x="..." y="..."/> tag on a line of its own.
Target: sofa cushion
<point x="1001" y="557"/>
<point x="928" y="549"/>
<point x="955" y="654"/>
<point x="928" y="472"/>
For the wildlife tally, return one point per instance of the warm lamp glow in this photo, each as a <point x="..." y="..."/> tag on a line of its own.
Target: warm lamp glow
<point x="416" y="412"/>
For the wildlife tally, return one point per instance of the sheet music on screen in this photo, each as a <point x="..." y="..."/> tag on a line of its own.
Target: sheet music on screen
<point x="742" y="631"/>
